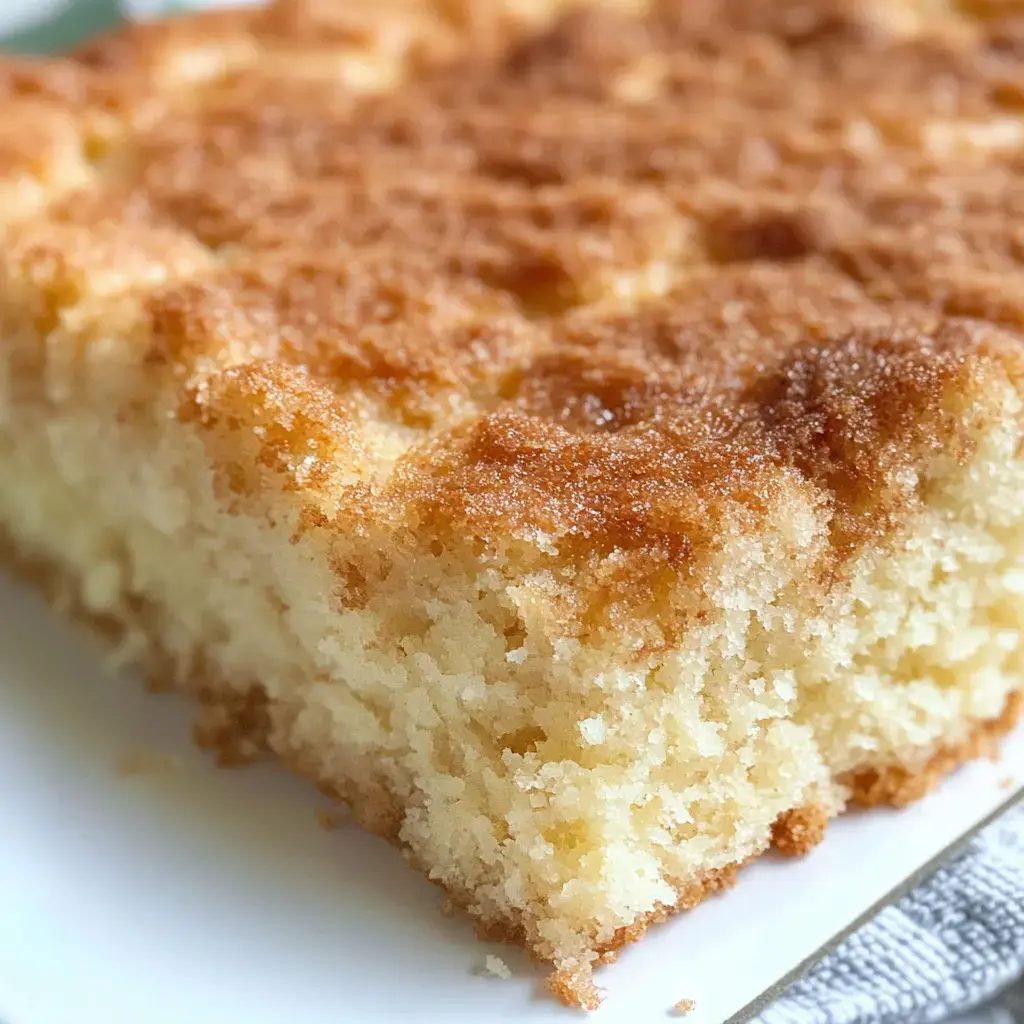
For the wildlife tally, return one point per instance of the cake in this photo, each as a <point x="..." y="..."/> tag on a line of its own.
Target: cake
<point x="586" y="440"/>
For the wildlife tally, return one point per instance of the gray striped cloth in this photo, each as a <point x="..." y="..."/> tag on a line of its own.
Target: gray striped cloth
<point x="944" y="948"/>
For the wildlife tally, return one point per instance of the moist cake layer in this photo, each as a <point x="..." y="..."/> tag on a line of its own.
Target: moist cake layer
<point x="590" y="441"/>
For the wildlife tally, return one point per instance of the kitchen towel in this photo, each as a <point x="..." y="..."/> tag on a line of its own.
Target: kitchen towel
<point x="949" y="944"/>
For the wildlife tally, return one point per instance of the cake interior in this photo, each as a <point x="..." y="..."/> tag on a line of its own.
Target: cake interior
<point x="562" y="792"/>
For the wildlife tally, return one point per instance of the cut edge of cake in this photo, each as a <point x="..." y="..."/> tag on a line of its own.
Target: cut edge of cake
<point x="565" y="792"/>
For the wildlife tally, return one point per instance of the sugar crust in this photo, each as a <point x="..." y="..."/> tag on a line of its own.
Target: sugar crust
<point x="306" y="243"/>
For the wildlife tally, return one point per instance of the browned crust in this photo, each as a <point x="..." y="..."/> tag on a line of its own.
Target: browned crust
<point x="235" y="727"/>
<point x="798" y="831"/>
<point x="798" y="338"/>
<point x="896" y="786"/>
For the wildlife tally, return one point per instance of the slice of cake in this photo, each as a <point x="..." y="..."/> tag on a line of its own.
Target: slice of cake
<point x="589" y="442"/>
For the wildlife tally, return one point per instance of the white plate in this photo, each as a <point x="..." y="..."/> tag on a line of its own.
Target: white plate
<point x="202" y="896"/>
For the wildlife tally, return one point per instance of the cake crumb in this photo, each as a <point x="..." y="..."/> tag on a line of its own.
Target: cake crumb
<point x="137" y="763"/>
<point x="330" y="818"/>
<point x="1006" y="782"/>
<point x="573" y="984"/>
<point x="495" y="967"/>
<point x="683" y="1007"/>
<point x="799" y="830"/>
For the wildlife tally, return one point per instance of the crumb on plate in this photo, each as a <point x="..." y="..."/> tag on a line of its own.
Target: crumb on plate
<point x="331" y="818"/>
<point x="495" y="967"/>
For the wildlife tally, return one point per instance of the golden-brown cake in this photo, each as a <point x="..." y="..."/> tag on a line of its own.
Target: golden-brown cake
<point x="587" y="440"/>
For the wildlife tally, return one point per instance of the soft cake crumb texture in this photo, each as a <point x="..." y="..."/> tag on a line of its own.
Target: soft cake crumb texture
<point x="588" y="442"/>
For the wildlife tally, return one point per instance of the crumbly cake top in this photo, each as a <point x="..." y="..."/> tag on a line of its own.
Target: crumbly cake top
<point x="596" y="278"/>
